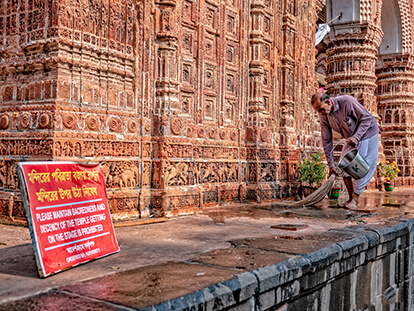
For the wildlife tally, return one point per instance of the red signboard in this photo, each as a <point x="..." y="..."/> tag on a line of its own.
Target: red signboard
<point x="68" y="213"/>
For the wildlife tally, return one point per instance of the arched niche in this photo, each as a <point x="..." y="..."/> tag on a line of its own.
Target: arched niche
<point x="391" y="26"/>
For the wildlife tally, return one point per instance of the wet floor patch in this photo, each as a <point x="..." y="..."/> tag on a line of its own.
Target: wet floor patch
<point x="241" y="259"/>
<point x="150" y="285"/>
<point x="296" y="245"/>
<point x="282" y="245"/>
<point x="57" y="301"/>
<point x="219" y="215"/>
<point x="315" y="212"/>
<point x="333" y="236"/>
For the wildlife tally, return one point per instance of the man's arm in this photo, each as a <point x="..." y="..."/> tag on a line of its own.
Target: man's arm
<point x="354" y="109"/>
<point x="326" y="133"/>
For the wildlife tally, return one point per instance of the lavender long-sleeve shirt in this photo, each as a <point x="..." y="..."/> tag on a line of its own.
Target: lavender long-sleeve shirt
<point x="348" y="118"/>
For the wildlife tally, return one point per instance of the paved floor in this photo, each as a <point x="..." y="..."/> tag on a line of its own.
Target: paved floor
<point x="165" y="260"/>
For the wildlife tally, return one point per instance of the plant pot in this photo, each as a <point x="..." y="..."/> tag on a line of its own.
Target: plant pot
<point x="334" y="194"/>
<point x="307" y="190"/>
<point x="388" y="187"/>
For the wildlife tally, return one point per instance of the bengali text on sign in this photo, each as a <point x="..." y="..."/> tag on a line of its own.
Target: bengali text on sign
<point x="68" y="213"/>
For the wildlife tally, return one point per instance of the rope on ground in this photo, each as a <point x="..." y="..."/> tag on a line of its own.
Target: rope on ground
<point x="311" y="199"/>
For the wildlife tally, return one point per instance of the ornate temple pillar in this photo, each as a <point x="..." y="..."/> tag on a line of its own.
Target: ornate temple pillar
<point x="351" y="58"/>
<point x="288" y="148"/>
<point x="395" y="73"/>
<point x="352" y="52"/>
<point x="166" y="99"/>
<point x="396" y="110"/>
<point x="261" y="166"/>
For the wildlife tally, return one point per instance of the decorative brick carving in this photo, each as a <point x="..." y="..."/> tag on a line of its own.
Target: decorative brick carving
<point x="69" y="120"/>
<point x="44" y="120"/>
<point x="4" y="122"/>
<point x="176" y="126"/>
<point x="91" y="123"/>
<point x="24" y="120"/>
<point x="132" y="126"/>
<point x="157" y="201"/>
<point x="114" y="124"/>
<point x="184" y="103"/>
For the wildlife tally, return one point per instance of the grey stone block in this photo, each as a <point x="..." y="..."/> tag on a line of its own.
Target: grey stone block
<point x="248" y="285"/>
<point x="410" y="224"/>
<point x="387" y="247"/>
<point x="269" y="277"/>
<point x="324" y="257"/>
<point x="278" y="296"/>
<point x="216" y="297"/>
<point x="231" y="292"/>
<point x="372" y="236"/>
<point x="303" y="264"/>
<point x="353" y="262"/>
<point x="319" y="277"/>
<point x="390" y="233"/>
<point x="363" y="288"/>
<point x="193" y="301"/>
<point x="354" y="246"/>
<point x="313" y="301"/>
<point x="340" y="294"/>
<point x="266" y="300"/>
<point x="248" y="305"/>
<point x="273" y="276"/>
<point x="287" y="292"/>
<point x="371" y="254"/>
<point x="410" y="251"/>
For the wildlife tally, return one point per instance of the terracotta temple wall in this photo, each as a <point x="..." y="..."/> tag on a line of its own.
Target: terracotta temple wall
<point x="184" y="103"/>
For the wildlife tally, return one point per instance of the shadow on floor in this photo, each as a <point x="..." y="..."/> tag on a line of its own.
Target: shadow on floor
<point x="19" y="260"/>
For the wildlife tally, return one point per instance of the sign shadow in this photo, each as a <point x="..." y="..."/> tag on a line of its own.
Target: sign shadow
<point x="19" y="260"/>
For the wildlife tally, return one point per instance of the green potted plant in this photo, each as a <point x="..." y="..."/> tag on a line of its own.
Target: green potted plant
<point x="312" y="171"/>
<point x="389" y="171"/>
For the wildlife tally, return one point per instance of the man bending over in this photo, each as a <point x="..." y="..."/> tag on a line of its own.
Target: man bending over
<point x="345" y="115"/>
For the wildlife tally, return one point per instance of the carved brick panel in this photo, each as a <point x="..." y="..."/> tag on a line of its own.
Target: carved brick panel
<point x="184" y="103"/>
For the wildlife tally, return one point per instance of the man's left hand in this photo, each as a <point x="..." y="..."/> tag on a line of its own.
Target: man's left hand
<point x="352" y="141"/>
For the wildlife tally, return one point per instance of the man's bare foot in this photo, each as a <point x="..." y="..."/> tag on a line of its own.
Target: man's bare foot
<point x="353" y="205"/>
<point x="345" y="205"/>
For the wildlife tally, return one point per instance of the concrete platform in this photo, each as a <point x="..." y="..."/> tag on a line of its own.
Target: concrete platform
<point x="192" y="260"/>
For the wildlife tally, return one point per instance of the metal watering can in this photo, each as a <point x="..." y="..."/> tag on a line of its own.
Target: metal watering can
<point x="353" y="163"/>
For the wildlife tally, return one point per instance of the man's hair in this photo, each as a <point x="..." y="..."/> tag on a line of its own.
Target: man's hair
<point x="324" y="97"/>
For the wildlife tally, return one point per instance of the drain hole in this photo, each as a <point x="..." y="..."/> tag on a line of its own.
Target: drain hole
<point x="290" y="227"/>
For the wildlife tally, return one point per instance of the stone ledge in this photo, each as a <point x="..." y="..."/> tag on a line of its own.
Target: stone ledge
<point x="354" y="246"/>
<point x="390" y="233"/>
<point x="324" y="257"/>
<point x="216" y="297"/>
<point x="371" y="236"/>
<point x="273" y="285"/>
<point x="297" y="282"/>
<point x="275" y="275"/>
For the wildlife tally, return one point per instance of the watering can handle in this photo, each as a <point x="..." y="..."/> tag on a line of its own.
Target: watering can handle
<point x="339" y="142"/>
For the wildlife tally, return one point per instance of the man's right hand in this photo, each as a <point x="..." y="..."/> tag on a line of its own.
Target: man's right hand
<point x="334" y="170"/>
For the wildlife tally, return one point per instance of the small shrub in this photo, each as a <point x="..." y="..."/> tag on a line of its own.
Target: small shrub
<point x="388" y="170"/>
<point x="312" y="170"/>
